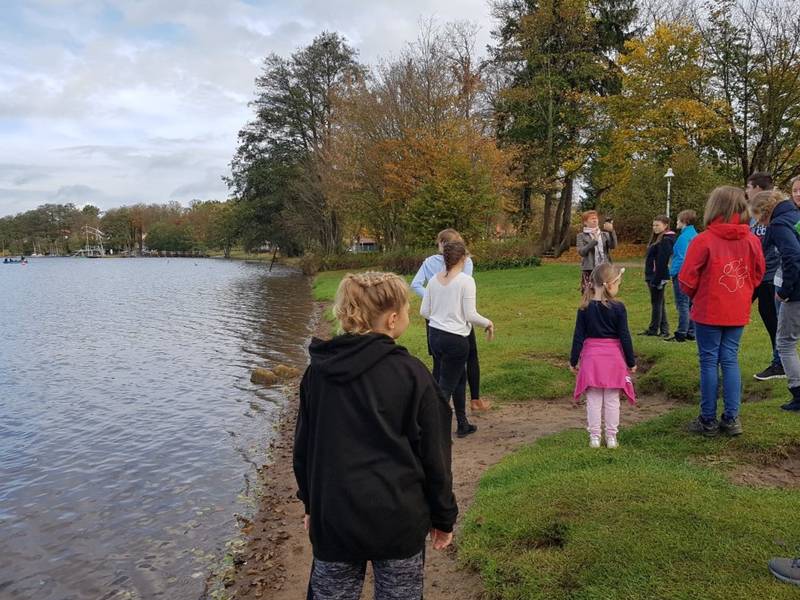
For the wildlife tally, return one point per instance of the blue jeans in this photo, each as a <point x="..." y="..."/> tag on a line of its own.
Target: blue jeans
<point x="682" y="304"/>
<point x="719" y="347"/>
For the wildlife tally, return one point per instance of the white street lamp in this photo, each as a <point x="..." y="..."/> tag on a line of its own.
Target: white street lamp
<point x="668" y="176"/>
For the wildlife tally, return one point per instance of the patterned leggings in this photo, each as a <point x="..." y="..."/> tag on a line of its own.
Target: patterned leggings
<point x="394" y="579"/>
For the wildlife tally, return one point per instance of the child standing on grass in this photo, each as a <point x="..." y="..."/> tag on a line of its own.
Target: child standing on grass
<point x="372" y="449"/>
<point x="430" y="267"/>
<point x="449" y="306"/>
<point x="602" y="353"/>
<point x="656" y="275"/>
<point x="723" y="266"/>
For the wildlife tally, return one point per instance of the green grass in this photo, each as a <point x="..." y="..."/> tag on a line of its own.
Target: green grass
<point x="659" y="517"/>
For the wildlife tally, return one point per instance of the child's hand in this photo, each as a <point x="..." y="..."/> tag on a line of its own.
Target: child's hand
<point x="306" y="521"/>
<point x="490" y="331"/>
<point x="573" y="369"/>
<point x="633" y="369"/>
<point x="441" y="539"/>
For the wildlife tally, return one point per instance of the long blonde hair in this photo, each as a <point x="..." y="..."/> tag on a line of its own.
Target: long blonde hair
<point x="602" y="275"/>
<point x="363" y="297"/>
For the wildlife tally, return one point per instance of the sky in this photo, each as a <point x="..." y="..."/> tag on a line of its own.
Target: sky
<point x="117" y="102"/>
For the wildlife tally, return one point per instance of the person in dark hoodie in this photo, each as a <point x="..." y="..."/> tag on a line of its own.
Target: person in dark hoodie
<point x="723" y="265"/>
<point x="372" y="449"/>
<point x="759" y="183"/>
<point x="656" y="274"/>
<point x="783" y="220"/>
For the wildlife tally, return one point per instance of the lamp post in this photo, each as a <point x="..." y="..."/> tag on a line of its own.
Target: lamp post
<point x="668" y="176"/>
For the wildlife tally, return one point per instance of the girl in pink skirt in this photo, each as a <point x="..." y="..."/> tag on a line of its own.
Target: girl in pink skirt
<point x="602" y="354"/>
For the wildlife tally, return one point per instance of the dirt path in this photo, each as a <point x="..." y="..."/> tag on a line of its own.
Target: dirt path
<point x="278" y="557"/>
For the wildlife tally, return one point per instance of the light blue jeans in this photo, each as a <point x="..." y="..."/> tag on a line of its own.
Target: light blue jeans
<point x="718" y="347"/>
<point x="682" y="304"/>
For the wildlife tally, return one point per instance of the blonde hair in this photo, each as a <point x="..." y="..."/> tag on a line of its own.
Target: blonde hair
<point x="448" y="235"/>
<point x="602" y="275"/>
<point x="763" y="203"/>
<point x="363" y="297"/>
<point x="726" y="201"/>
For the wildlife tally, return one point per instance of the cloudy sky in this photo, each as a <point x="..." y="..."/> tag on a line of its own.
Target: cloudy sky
<point x="116" y="102"/>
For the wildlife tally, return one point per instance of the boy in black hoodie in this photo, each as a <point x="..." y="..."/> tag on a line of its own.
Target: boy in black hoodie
<point x="372" y="449"/>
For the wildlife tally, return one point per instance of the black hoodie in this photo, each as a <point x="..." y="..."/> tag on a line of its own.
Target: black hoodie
<point x="372" y="450"/>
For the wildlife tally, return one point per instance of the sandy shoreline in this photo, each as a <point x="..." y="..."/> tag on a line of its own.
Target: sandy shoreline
<point x="277" y="558"/>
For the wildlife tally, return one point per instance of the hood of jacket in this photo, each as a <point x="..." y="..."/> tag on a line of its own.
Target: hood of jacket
<point x="348" y="356"/>
<point x="786" y="212"/>
<point x="732" y="230"/>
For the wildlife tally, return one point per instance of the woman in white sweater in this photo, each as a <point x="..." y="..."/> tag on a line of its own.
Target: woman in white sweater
<point x="449" y="306"/>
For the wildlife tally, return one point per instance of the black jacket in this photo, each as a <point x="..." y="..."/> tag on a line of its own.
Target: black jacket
<point x="782" y="234"/>
<point x="656" y="263"/>
<point x="372" y="450"/>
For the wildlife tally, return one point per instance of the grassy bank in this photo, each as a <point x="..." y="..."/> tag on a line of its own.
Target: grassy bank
<point x="660" y="518"/>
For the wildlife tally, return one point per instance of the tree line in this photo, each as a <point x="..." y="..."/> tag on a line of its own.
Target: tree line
<point x="59" y="229"/>
<point x="575" y="103"/>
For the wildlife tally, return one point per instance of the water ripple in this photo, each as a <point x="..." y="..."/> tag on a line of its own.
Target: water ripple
<point x="128" y="424"/>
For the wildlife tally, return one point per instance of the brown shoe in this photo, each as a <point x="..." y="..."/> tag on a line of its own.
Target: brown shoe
<point x="480" y="405"/>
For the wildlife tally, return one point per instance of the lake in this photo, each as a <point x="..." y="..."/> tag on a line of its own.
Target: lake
<point x="130" y="433"/>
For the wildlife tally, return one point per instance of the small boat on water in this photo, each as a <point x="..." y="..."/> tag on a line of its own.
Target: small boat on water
<point x="12" y="261"/>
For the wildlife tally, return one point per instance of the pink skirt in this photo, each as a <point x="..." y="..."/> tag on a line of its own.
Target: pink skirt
<point x="602" y="365"/>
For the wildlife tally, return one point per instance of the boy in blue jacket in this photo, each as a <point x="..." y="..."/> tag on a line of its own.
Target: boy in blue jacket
<point x="686" y="221"/>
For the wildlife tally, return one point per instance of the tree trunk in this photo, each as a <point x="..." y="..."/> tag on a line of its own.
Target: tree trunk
<point x="546" y="218"/>
<point x="566" y="217"/>
<point x="526" y="208"/>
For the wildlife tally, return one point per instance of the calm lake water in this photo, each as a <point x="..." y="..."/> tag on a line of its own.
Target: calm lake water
<point x="129" y="429"/>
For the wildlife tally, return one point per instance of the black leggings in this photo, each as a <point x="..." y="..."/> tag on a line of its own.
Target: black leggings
<point x="451" y="351"/>
<point x="658" y="311"/>
<point x="766" y="308"/>
<point x="473" y="365"/>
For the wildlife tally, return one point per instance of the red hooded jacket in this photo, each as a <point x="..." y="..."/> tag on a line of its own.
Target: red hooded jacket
<point x="722" y="267"/>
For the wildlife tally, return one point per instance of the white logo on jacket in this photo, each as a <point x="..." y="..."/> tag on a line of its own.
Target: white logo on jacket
<point x="734" y="275"/>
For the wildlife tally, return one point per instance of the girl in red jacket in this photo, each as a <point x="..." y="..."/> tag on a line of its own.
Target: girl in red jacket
<point x="722" y="267"/>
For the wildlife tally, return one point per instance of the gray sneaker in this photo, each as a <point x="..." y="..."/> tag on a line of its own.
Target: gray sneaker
<point x="707" y="428"/>
<point x="732" y="427"/>
<point x="786" y="569"/>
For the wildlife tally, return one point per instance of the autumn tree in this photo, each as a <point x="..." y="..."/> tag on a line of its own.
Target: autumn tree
<point x="280" y="171"/>
<point x="413" y="152"/>
<point x="753" y="53"/>
<point x="558" y="58"/>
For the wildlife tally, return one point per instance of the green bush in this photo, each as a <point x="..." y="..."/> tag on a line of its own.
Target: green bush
<point x="487" y="255"/>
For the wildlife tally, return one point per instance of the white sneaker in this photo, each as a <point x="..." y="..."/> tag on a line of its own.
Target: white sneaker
<point x="594" y="441"/>
<point x="611" y="441"/>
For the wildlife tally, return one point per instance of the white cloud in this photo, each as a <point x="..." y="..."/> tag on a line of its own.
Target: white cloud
<point x="142" y="101"/>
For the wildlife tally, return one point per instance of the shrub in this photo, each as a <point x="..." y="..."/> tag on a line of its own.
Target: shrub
<point x="491" y="254"/>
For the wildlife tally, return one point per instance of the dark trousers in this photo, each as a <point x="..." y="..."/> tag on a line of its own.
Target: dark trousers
<point x="451" y="351"/>
<point x="658" y="311"/>
<point x="765" y="293"/>
<point x="473" y="365"/>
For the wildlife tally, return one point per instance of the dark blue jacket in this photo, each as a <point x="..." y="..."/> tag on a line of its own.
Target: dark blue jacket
<point x="771" y="256"/>
<point x="656" y="263"/>
<point x="782" y="234"/>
